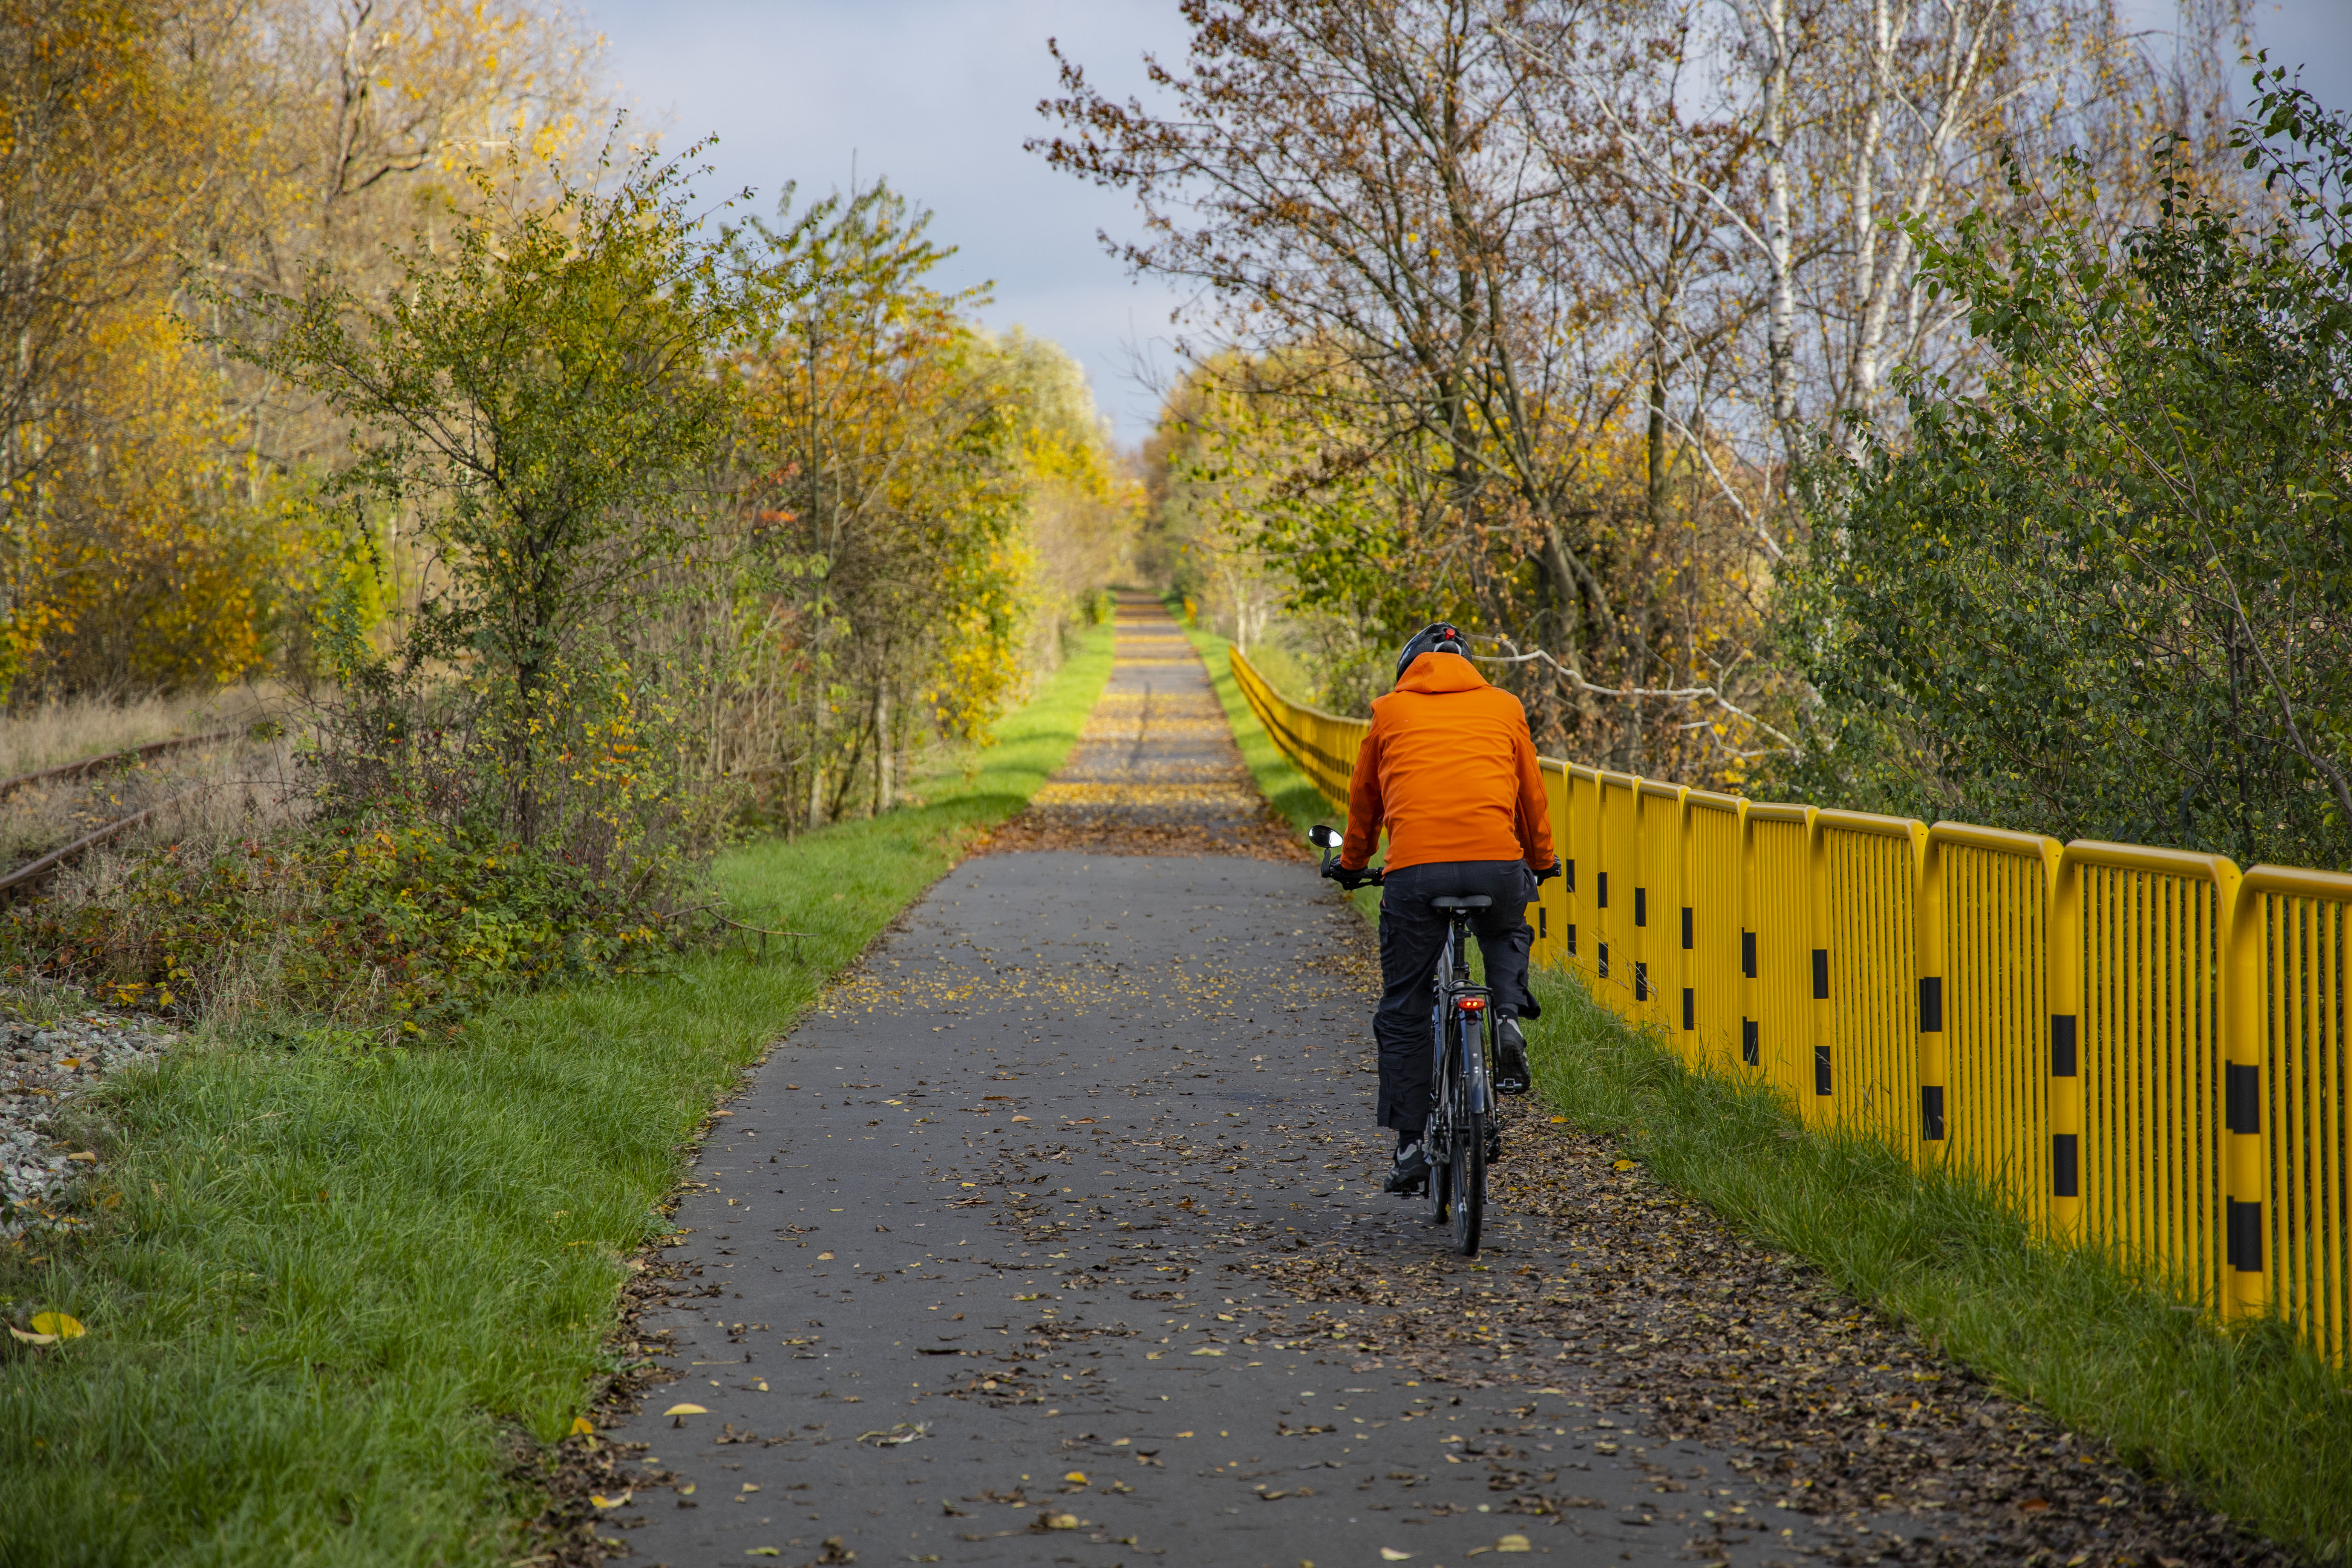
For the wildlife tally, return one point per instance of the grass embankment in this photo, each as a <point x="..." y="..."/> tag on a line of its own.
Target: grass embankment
<point x="2247" y="1421"/>
<point x="1293" y="795"/>
<point x="328" y="1282"/>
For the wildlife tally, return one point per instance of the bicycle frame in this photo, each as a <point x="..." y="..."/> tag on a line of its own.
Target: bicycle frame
<point x="1453" y="987"/>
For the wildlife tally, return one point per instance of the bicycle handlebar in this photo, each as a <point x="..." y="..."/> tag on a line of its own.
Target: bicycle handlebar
<point x="1326" y="838"/>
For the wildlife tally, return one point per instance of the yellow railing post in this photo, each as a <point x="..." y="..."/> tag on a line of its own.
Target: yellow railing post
<point x="1751" y="984"/>
<point x="1584" y="793"/>
<point x="1819" y="1104"/>
<point x="2064" y="969"/>
<point x="2248" y="1260"/>
<point x="1935" y="1062"/>
<point x="1657" y="903"/>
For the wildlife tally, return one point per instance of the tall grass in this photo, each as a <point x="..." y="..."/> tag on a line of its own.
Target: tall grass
<point x="332" y="1281"/>
<point x="67" y="730"/>
<point x="2247" y="1420"/>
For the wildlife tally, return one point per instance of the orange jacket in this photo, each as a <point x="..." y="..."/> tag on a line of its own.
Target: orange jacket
<point x="1450" y="769"/>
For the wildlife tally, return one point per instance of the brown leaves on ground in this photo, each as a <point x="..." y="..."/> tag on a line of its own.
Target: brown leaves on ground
<point x="1650" y="1303"/>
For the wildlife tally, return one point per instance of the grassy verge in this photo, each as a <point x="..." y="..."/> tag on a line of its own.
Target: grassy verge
<point x="327" y="1285"/>
<point x="2248" y="1421"/>
<point x="1292" y="794"/>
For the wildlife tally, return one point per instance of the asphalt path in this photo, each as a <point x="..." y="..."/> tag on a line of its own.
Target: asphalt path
<point x="993" y="1260"/>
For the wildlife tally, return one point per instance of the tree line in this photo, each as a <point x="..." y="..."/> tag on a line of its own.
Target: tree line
<point x="1775" y="386"/>
<point x="356" y="343"/>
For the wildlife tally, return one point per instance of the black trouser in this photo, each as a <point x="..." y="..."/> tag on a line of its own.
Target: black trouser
<point x="1413" y="935"/>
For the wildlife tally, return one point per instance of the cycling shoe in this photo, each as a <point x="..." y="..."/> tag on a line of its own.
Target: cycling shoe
<point x="1510" y="1058"/>
<point x="1410" y="1170"/>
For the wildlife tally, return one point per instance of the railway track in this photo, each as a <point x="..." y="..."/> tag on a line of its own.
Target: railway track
<point x="39" y="869"/>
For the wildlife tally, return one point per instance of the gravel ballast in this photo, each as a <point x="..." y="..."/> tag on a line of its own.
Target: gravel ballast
<point x="43" y="1067"/>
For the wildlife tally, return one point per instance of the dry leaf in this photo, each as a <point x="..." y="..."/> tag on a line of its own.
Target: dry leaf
<point x="1078" y="1475"/>
<point x="763" y="1552"/>
<point x="1204" y="1349"/>
<point x="85" y="1155"/>
<point x="582" y="1427"/>
<point x="1391" y="1554"/>
<point x="603" y="1502"/>
<point x="1621" y="1164"/>
<point x="32" y="1339"/>
<point x="59" y="1324"/>
<point x="686" y="1410"/>
<point x="1513" y="1543"/>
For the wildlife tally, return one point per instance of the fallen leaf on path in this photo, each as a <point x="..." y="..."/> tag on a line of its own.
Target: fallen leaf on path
<point x="601" y="1501"/>
<point x="1513" y="1543"/>
<point x="763" y="1552"/>
<point x="896" y="1436"/>
<point x="1621" y="1164"/>
<point x="1078" y="1475"/>
<point x="1391" y="1554"/>
<point x="581" y="1425"/>
<point x="1204" y="1349"/>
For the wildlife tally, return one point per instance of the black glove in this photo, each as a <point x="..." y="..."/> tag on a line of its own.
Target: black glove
<point x="1348" y="880"/>
<point x="1558" y="866"/>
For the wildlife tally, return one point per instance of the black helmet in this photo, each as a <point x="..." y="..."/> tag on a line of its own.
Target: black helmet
<point x="1436" y="637"/>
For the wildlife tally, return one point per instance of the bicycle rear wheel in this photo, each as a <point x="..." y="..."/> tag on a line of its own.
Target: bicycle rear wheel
<point x="1467" y="1173"/>
<point x="1466" y="1170"/>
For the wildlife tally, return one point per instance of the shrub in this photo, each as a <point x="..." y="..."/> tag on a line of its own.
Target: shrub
<point x="394" y="923"/>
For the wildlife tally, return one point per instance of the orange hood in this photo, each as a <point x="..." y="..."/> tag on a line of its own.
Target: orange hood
<point x="1433" y="674"/>
<point x="1449" y="781"/>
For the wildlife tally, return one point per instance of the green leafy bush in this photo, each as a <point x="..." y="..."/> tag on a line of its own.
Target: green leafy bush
<point x="2109" y="593"/>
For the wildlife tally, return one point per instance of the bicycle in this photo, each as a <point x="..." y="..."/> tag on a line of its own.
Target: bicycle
<point x="1460" y="1137"/>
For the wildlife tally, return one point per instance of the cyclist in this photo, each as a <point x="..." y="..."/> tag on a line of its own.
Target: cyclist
<point x="1449" y="769"/>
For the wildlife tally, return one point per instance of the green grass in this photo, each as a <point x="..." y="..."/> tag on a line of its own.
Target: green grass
<point x="2247" y="1421"/>
<point x="334" y="1283"/>
<point x="1293" y="795"/>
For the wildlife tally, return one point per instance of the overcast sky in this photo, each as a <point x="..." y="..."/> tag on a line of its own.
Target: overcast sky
<point x="939" y="94"/>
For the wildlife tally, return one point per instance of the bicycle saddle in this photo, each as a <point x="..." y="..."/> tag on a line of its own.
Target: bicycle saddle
<point x="1475" y="901"/>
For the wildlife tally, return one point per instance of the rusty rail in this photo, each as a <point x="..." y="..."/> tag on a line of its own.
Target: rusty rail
<point x="34" y="870"/>
<point x="92" y="765"/>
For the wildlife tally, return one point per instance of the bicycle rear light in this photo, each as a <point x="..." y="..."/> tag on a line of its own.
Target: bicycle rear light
<point x="1472" y="1004"/>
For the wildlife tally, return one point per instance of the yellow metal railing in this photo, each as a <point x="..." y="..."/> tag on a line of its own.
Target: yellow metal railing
<point x="2147" y="1051"/>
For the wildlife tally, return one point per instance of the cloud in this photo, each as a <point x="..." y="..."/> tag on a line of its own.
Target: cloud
<point x="938" y="96"/>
